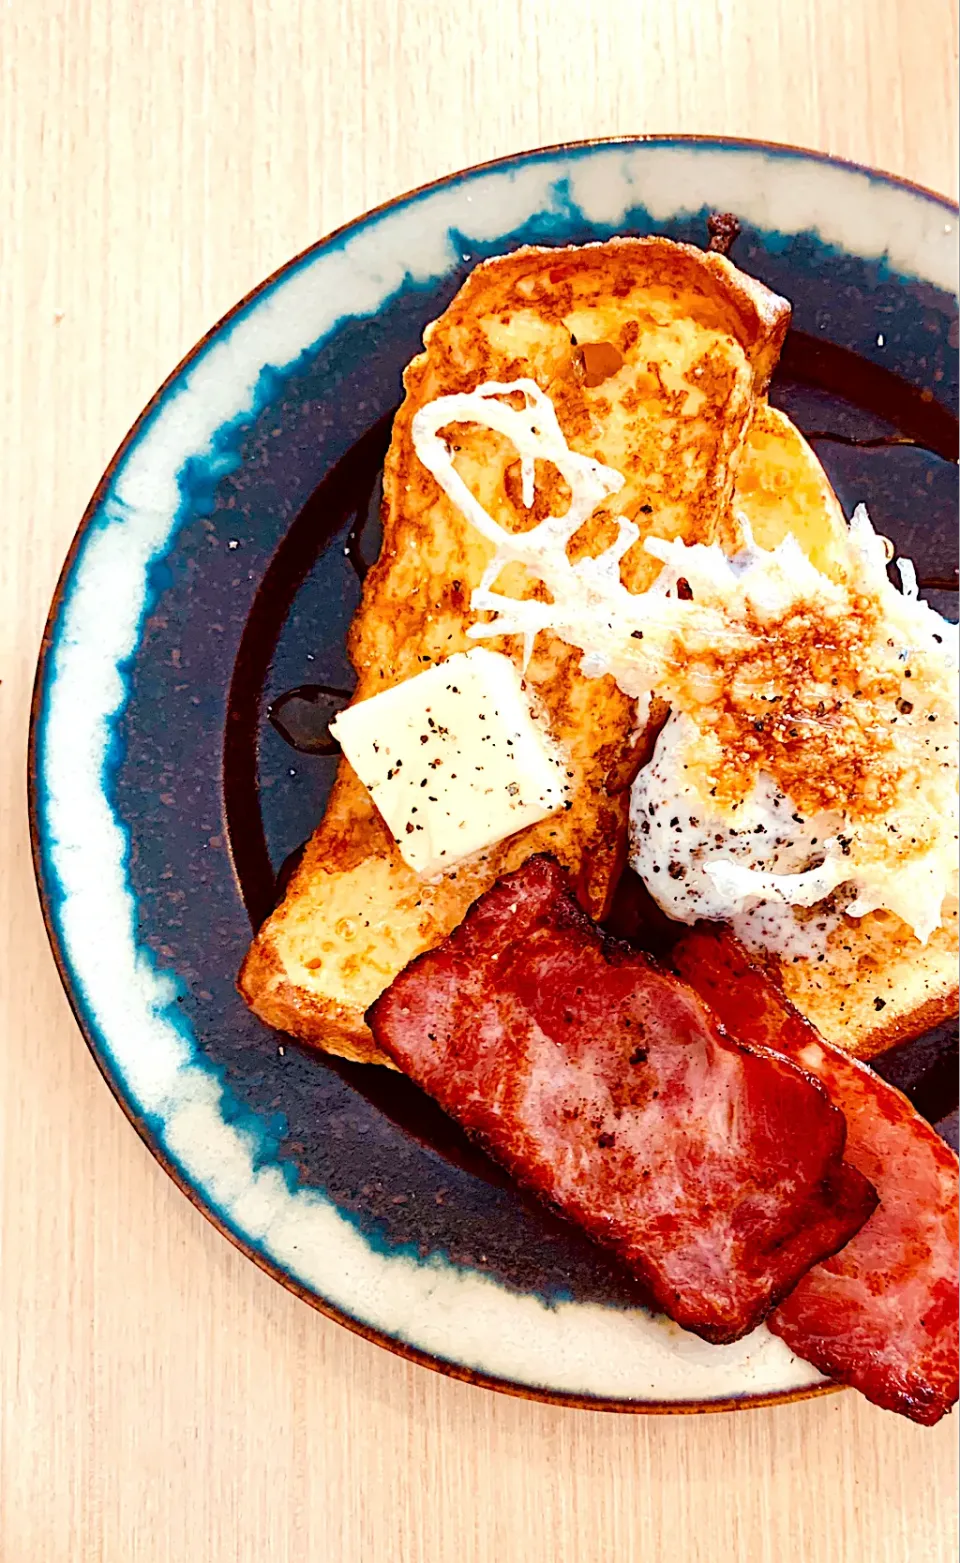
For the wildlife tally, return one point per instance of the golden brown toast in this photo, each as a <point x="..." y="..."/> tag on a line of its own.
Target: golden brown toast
<point x="689" y="346"/>
<point x="878" y="984"/>
<point x="781" y="488"/>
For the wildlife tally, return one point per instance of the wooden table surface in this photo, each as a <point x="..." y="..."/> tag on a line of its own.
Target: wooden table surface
<point x="162" y="1399"/>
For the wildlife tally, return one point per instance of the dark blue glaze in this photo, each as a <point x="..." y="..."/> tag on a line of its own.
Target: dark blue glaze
<point x="214" y="800"/>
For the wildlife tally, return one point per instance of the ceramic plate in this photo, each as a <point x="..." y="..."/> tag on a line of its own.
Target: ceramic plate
<point x="195" y="651"/>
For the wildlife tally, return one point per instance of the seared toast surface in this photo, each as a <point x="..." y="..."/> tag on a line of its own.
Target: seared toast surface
<point x="877" y="985"/>
<point x="688" y="345"/>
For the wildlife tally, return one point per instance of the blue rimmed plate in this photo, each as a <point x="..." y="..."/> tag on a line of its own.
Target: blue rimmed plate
<point x="195" y="650"/>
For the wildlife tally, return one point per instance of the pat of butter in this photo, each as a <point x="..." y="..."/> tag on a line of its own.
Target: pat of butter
<point x="453" y="759"/>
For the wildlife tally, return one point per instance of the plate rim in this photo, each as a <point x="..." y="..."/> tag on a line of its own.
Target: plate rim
<point x="139" y="1121"/>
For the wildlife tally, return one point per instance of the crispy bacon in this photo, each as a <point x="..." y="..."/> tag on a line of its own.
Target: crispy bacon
<point x="882" y="1315"/>
<point x="713" y="1170"/>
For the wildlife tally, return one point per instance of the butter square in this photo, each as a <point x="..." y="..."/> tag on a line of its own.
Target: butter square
<point x="454" y="759"/>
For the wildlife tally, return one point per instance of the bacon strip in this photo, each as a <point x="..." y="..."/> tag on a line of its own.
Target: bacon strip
<point x="882" y="1315"/>
<point x="713" y="1170"/>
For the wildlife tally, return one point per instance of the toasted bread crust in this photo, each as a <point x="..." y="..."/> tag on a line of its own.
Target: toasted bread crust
<point x="295" y="1009"/>
<point x="934" y="1011"/>
<point x="878" y="985"/>
<point x="698" y="341"/>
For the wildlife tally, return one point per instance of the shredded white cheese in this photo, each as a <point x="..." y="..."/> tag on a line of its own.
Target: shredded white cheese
<point x="687" y="646"/>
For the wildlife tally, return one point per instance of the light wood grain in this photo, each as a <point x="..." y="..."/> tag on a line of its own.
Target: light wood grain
<point x="162" y="1401"/>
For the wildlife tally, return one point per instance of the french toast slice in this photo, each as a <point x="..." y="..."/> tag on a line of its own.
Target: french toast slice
<point x="877" y="985"/>
<point x="781" y="488"/>
<point x="655" y="355"/>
